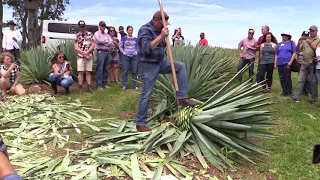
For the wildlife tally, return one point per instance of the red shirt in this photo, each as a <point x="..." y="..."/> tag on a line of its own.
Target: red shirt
<point x="203" y="42"/>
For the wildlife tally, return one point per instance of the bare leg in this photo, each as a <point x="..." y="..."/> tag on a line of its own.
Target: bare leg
<point x="80" y="78"/>
<point x="88" y="77"/>
<point x="110" y="74"/>
<point x="4" y="85"/>
<point x="19" y="90"/>
<point x="116" y="72"/>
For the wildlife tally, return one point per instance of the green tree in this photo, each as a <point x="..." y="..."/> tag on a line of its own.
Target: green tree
<point x="48" y="9"/>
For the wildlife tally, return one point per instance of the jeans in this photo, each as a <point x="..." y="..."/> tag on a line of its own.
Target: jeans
<point x="149" y="73"/>
<point x="16" y="53"/>
<point x="243" y="62"/>
<point x="285" y="79"/>
<point x="64" y="82"/>
<point x="102" y="68"/>
<point x="305" y="71"/>
<point x="129" y="63"/>
<point x="263" y="69"/>
<point x="318" y="75"/>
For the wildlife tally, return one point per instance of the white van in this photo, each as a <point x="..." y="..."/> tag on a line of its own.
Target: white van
<point x="54" y="31"/>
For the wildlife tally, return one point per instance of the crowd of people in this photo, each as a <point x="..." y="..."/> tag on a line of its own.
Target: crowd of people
<point x="287" y="57"/>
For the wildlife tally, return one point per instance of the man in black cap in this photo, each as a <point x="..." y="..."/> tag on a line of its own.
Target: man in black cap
<point x="11" y="40"/>
<point x="84" y="45"/>
<point x="307" y="70"/>
<point x="121" y="31"/>
<point x="103" y="41"/>
<point x="151" y="50"/>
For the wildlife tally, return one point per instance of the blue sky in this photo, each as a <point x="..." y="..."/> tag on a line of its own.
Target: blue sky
<point x="225" y="22"/>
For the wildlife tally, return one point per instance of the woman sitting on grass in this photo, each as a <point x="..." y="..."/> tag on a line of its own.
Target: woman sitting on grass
<point x="10" y="75"/>
<point x="62" y="72"/>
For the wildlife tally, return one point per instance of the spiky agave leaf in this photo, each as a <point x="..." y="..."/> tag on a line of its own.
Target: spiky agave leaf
<point x="35" y="66"/>
<point x="208" y="68"/>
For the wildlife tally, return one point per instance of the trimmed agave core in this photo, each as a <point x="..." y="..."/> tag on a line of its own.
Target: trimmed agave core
<point x="184" y="117"/>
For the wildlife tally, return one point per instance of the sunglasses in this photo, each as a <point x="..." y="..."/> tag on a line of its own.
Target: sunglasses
<point x="60" y="57"/>
<point x="311" y="30"/>
<point x="112" y="31"/>
<point x="166" y="18"/>
<point x="201" y="35"/>
<point x="252" y="33"/>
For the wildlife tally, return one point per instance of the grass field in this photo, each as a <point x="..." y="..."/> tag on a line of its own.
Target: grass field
<point x="298" y="128"/>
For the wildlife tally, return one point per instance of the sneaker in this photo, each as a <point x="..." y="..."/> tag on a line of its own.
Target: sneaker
<point x="283" y="94"/>
<point x="186" y="102"/>
<point x="136" y="88"/>
<point x="107" y="87"/>
<point x="295" y="99"/>
<point x="143" y="128"/>
<point x="124" y="88"/>
<point x="312" y="101"/>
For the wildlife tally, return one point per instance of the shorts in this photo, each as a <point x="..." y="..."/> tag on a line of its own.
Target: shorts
<point x="12" y="177"/>
<point x="11" y="84"/>
<point x="84" y="64"/>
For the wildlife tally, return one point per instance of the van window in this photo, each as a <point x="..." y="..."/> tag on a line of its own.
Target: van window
<point x="69" y="28"/>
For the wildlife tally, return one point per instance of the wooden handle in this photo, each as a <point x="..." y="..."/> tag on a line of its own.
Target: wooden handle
<point x="169" y="49"/>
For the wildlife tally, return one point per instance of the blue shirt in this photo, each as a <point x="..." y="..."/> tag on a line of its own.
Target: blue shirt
<point x="285" y="51"/>
<point x="147" y="33"/>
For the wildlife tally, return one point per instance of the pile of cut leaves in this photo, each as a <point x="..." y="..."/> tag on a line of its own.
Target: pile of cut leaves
<point x="34" y="129"/>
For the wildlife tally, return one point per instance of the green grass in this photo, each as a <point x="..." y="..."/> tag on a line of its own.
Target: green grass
<point x="291" y="151"/>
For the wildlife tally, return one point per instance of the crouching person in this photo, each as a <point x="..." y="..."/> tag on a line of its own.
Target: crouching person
<point x="62" y="73"/>
<point x="10" y="75"/>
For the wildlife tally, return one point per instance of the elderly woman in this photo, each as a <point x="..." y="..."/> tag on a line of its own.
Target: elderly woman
<point x="10" y="75"/>
<point x="62" y="72"/>
<point x="285" y="54"/>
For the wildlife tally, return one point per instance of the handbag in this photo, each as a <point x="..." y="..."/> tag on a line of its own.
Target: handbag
<point x="295" y="66"/>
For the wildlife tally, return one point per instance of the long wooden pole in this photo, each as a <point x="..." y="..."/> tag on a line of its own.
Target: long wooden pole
<point x="169" y="49"/>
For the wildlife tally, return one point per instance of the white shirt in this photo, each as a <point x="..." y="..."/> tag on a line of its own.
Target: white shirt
<point x="8" y="42"/>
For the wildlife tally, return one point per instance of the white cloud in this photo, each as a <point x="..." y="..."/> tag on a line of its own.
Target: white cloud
<point x="196" y="4"/>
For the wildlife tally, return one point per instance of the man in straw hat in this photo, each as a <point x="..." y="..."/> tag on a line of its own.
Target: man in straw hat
<point x="308" y="48"/>
<point x="151" y="50"/>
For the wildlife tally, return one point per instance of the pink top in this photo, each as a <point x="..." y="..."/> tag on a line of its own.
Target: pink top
<point x="203" y="42"/>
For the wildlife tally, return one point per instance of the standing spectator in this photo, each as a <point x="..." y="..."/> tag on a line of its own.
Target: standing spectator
<point x="308" y="47"/>
<point x="103" y="41"/>
<point x="128" y="48"/>
<point x="306" y="89"/>
<point x="11" y="40"/>
<point x="247" y="51"/>
<point x="264" y="30"/>
<point x="266" y="61"/>
<point x="203" y="41"/>
<point x="10" y="75"/>
<point x="84" y="45"/>
<point x="62" y="72"/>
<point x="114" y="67"/>
<point x="177" y="38"/>
<point x="285" y="55"/>
<point x="121" y="31"/>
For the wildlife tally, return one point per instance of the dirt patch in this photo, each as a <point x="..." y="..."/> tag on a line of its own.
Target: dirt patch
<point x="128" y="115"/>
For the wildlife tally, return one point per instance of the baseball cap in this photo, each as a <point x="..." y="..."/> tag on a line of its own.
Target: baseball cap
<point x="81" y="23"/>
<point x="158" y="15"/>
<point x="11" y="23"/>
<point x="102" y="23"/>
<point x="305" y="33"/>
<point x="121" y="28"/>
<point x="313" y="27"/>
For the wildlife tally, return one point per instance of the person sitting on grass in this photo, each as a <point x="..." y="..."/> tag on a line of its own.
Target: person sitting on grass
<point x="62" y="72"/>
<point x="10" y="75"/>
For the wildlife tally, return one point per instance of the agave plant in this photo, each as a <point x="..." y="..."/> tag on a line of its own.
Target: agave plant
<point x="208" y="68"/>
<point x="35" y="65"/>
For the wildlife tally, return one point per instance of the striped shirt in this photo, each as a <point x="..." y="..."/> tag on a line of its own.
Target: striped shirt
<point x="129" y="46"/>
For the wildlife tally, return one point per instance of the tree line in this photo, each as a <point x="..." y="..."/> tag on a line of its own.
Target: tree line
<point x="30" y="22"/>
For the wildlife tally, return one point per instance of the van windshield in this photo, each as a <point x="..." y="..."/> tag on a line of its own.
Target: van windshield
<point x="69" y="28"/>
